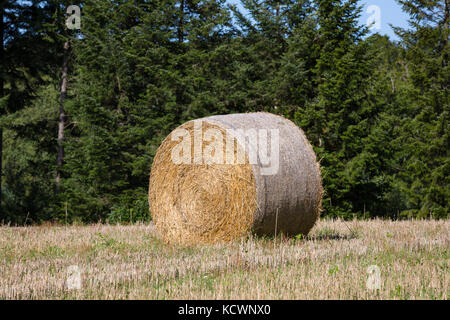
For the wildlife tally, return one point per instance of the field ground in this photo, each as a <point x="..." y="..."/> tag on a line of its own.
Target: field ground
<point x="129" y="262"/>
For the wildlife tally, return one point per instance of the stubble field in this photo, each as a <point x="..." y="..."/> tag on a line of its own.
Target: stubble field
<point x="338" y="260"/>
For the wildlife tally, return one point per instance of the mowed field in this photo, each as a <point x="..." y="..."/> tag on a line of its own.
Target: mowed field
<point x="338" y="260"/>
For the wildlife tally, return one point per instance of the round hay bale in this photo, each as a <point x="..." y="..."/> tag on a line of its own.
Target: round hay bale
<point x="217" y="178"/>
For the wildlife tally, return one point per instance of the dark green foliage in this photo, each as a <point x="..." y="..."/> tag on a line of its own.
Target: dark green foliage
<point x="138" y="211"/>
<point x="376" y="111"/>
<point x="29" y="158"/>
<point x="425" y="137"/>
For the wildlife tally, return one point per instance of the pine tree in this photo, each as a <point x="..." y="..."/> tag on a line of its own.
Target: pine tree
<point x="425" y="137"/>
<point x="26" y="69"/>
<point x="330" y="98"/>
<point x="142" y="68"/>
<point x="263" y="42"/>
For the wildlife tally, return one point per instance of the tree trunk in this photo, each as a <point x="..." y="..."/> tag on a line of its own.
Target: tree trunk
<point x="2" y="71"/>
<point x="180" y="23"/>
<point x="446" y="18"/>
<point x="62" y="116"/>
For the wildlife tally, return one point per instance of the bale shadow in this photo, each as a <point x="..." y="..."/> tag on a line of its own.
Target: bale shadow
<point x="331" y="236"/>
<point x="321" y="235"/>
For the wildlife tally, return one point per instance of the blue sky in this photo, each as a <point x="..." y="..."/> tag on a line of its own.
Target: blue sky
<point x="388" y="11"/>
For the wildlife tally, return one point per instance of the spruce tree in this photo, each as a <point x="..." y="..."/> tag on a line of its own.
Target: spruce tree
<point x="425" y="136"/>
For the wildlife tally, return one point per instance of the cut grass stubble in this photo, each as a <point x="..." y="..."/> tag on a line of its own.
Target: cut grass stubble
<point x="130" y="262"/>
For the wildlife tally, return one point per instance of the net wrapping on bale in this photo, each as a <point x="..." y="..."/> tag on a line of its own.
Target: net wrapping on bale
<point x="217" y="178"/>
